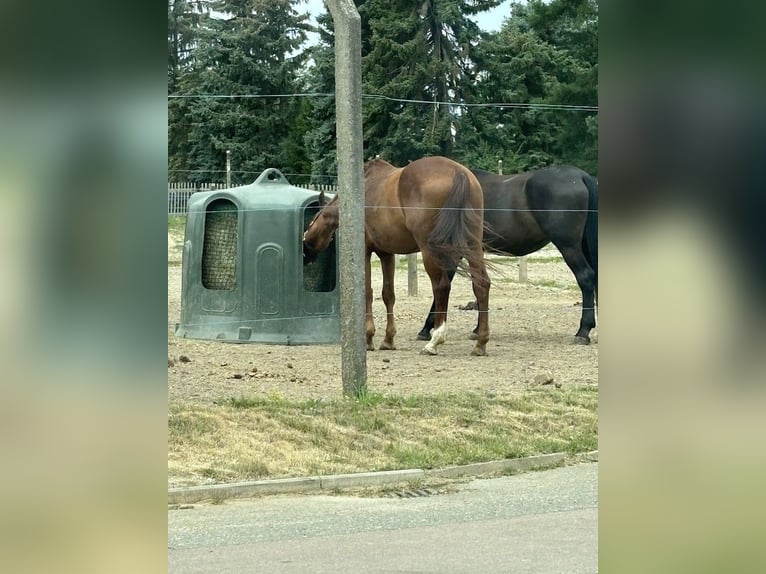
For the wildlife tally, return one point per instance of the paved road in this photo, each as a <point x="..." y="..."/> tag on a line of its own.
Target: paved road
<point x="540" y="522"/>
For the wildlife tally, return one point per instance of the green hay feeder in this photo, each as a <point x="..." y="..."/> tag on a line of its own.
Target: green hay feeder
<point x="243" y="274"/>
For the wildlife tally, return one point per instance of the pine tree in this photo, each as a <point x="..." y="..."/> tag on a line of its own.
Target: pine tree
<point x="571" y="27"/>
<point x="535" y="59"/>
<point x="248" y="51"/>
<point x="184" y="18"/>
<point x="417" y="50"/>
<point x="320" y="138"/>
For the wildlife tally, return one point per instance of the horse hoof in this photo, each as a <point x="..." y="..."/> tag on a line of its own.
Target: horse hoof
<point x="387" y="347"/>
<point x="423" y="337"/>
<point x="579" y="340"/>
<point x="427" y="351"/>
<point x="479" y="353"/>
<point x="473" y="336"/>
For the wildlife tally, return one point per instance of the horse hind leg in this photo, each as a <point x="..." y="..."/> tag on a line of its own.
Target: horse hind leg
<point x="438" y="337"/>
<point x="425" y="332"/>
<point x="481" y="284"/>
<point x="441" y="286"/>
<point x="586" y="280"/>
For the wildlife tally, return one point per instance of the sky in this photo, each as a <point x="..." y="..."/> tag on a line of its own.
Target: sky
<point x="488" y="21"/>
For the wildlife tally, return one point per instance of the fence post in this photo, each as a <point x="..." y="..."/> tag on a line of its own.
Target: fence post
<point x="228" y="168"/>
<point x="412" y="274"/>
<point x="523" y="269"/>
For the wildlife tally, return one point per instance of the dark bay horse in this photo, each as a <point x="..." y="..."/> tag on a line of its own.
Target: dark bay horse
<point x="526" y="211"/>
<point x="434" y="205"/>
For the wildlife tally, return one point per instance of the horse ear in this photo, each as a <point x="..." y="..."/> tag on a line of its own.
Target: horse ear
<point x="322" y="200"/>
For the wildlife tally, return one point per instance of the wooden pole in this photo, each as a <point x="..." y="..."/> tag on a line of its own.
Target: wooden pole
<point x="412" y="274"/>
<point x="228" y="168"/>
<point x="523" y="269"/>
<point x="348" y="113"/>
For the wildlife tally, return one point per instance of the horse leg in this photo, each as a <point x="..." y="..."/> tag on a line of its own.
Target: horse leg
<point x="481" y="284"/>
<point x="369" y="320"/>
<point x="586" y="279"/>
<point x="388" y="265"/>
<point x="441" y="286"/>
<point x="425" y="332"/>
<point x="474" y="335"/>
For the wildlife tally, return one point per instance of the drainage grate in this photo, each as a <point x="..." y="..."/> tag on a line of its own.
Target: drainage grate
<point x="414" y="493"/>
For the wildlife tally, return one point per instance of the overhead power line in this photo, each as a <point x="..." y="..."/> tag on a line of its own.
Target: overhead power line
<point x="518" y="105"/>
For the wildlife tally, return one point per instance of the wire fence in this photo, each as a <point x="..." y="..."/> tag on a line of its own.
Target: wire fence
<point x="453" y="104"/>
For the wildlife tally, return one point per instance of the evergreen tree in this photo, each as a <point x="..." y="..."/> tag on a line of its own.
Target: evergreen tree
<point x="184" y="17"/>
<point x="534" y="60"/>
<point x="515" y="66"/>
<point x="571" y="27"/>
<point x="320" y="138"/>
<point x="248" y="48"/>
<point x="416" y="54"/>
<point x="416" y="50"/>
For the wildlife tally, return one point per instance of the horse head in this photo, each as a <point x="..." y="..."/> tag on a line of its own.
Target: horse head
<point x="319" y="233"/>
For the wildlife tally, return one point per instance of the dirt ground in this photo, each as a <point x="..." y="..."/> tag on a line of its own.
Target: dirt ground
<point x="531" y="333"/>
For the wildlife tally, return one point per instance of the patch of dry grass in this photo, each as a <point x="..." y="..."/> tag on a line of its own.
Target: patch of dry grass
<point x="255" y="438"/>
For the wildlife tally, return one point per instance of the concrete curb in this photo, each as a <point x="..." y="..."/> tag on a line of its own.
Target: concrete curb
<point x="513" y="464"/>
<point x="310" y="484"/>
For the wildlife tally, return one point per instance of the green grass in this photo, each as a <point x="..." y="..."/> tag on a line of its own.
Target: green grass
<point x="176" y="225"/>
<point x="503" y="260"/>
<point x="552" y="283"/>
<point x="251" y="437"/>
<point x="545" y="259"/>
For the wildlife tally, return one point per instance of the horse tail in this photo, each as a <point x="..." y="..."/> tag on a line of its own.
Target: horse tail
<point x="457" y="228"/>
<point x="590" y="235"/>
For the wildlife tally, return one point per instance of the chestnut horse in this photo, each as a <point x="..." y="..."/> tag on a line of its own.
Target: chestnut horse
<point x="435" y="206"/>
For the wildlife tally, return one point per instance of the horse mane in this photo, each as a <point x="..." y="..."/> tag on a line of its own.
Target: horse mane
<point x="376" y="163"/>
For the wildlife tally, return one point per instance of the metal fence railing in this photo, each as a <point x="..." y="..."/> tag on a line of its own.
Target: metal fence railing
<point x="179" y="193"/>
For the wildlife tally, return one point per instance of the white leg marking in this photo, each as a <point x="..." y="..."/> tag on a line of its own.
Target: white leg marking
<point x="437" y="338"/>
